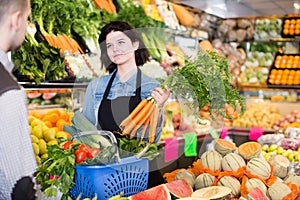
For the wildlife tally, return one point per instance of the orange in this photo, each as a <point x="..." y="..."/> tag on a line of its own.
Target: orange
<point x="55" y="110"/>
<point x="286" y="71"/>
<point x="279" y="71"/>
<point x="283" y="82"/>
<point x="48" y="124"/>
<point x="291" y="31"/>
<point x="290" y="82"/>
<point x="273" y="71"/>
<point x="60" y="124"/>
<point x="278" y="57"/>
<point x="293" y="21"/>
<point x="272" y="76"/>
<point x="290" y="77"/>
<point x="64" y="116"/>
<point x="289" y="65"/>
<point x="277" y="81"/>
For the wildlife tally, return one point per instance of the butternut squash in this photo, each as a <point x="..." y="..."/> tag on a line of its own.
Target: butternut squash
<point x="184" y="16"/>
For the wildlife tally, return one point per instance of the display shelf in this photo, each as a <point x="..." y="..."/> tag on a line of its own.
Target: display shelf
<point x="47" y="85"/>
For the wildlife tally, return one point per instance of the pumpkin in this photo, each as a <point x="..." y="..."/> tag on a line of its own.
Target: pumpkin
<point x="249" y="150"/>
<point x="184" y="16"/>
<point x="231" y="182"/>
<point x="186" y="175"/>
<point x="259" y="167"/>
<point x="278" y="190"/>
<point x="232" y="162"/>
<point x="224" y="147"/>
<point x="280" y="165"/>
<point x="211" y="159"/>
<point x="204" y="180"/>
<point x="252" y="183"/>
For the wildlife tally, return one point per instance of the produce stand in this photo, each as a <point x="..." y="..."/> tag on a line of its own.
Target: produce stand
<point x="238" y="135"/>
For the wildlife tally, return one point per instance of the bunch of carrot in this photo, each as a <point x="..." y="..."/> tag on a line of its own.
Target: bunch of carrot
<point x="107" y="5"/>
<point x="145" y="114"/>
<point x="64" y="43"/>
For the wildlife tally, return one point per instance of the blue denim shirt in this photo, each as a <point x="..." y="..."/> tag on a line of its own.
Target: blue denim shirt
<point x="96" y="89"/>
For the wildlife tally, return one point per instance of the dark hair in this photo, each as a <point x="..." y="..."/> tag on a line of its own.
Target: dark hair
<point x="141" y="54"/>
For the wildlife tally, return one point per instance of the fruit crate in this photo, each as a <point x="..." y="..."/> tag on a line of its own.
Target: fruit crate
<point x="285" y="72"/>
<point x="290" y="27"/>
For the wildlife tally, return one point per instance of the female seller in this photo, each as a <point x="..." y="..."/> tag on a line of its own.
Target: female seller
<point x="109" y="99"/>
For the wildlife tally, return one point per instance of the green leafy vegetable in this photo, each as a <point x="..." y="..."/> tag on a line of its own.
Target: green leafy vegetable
<point x="57" y="171"/>
<point x="39" y="61"/>
<point x="205" y="80"/>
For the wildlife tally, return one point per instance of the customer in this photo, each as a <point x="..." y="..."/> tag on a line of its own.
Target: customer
<point x="17" y="160"/>
<point x="109" y="99"/>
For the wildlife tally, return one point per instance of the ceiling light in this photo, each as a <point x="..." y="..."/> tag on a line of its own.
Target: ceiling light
<point x="296" y="6"/>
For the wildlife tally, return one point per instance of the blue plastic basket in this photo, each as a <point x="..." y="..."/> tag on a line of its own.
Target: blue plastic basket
<point x="129" y="177"/>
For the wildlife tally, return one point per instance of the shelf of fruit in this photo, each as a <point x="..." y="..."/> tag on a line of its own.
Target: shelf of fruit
<point x="46" y="128"/>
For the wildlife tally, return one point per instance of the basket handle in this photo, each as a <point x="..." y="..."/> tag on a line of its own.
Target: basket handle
<point x="100" y="132"/>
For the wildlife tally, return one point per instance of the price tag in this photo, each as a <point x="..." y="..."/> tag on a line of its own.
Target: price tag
<point x="190" y="144"/>
<point x="171" y="149"/>
<point x="224" y="132"/>
<point x="255" y="133"/>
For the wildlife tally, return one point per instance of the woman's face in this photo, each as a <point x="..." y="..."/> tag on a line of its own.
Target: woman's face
<point x="120" y="48"/>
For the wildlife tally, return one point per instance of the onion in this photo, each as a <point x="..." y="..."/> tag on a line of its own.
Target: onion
<point x="292" y="119"/>
<point x="276" y="127"/>
<point x="277" y="123"/>
<point x="288" y="116"/>
<point x="295" y="112"/>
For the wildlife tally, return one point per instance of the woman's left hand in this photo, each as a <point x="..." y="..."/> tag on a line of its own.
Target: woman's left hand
<point x="160" y="96"/>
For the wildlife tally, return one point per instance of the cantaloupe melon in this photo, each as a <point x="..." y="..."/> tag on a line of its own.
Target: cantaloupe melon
<point x="249" y="150"/>
<point x="224" y="147"/>
<point x="259" y="167"/>
<point x="211" y="159"/>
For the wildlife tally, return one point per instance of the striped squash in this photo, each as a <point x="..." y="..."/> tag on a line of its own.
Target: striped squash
<point x="259" y="167"/>
<point x="204" y="180"/>
<point x="232" y="162"/>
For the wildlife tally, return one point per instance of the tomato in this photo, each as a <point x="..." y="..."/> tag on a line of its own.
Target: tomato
<point x="84" y="147"/>
<point x="93" y="152"/>
<point x="67" y="145"/>
<point x="80" y="156"/>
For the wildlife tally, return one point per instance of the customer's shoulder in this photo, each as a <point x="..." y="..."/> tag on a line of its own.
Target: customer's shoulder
<point x="7" y="82"/>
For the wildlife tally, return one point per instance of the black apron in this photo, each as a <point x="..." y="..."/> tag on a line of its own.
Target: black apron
<point x="112" y="112"/>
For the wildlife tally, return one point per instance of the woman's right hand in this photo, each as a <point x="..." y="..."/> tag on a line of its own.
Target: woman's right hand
<point x="160" y="95"/>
